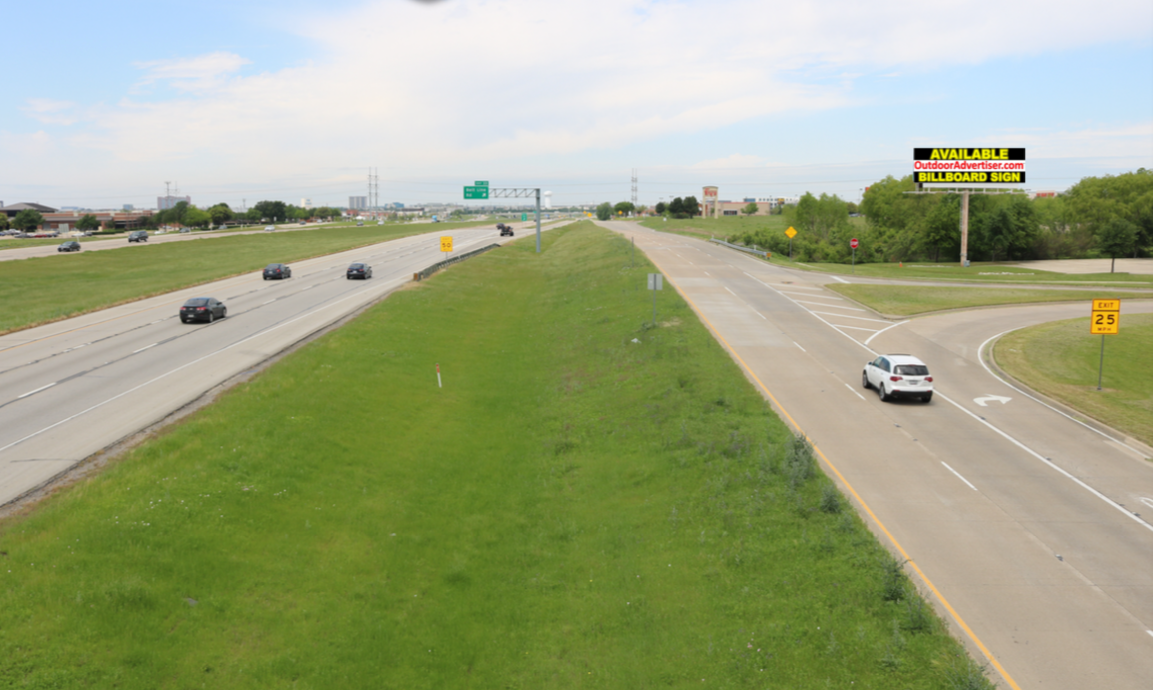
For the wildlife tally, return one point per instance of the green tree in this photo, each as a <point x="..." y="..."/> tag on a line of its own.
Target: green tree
<point x="3" y="221"/>
<point x="197" y="218"/>
<point x="220" y="213"/>
<point x="943" y="227"/>
<point x="676" y="208"/>
<point x="87" y="222"/>
<point x="1007" y="229"/>
<point x="1117" y="237"/>
<point x="750" y="209"/>
<point x="624" y="208"/>
<point x="660" y="208"/>
<point x="27" y="219"/>
<point x="275" y="211"/>
<point x="604" y="211"/>
<point x="692" y="207"/>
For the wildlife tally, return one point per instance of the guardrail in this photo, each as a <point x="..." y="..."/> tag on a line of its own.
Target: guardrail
<point x="421" y="275"/>
<point x="764" y="255"/>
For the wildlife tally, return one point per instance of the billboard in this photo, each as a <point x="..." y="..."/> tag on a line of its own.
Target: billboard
<point x="968" y="167"/>
<point x="710" y="194"/>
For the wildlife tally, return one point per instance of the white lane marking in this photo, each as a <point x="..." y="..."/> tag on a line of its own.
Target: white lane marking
<point x="732" y="293"/>
<point x="984" y="402"/>
<point x="855" y="328"/>
<point x="1150" y="632"/>
<point x="145" y="348"/>
<point x="799" y="345"/>
<point x="1148" y="502"/>
<point x="238" y="343"/>
<point x="36" y="391"/>
<point x="855" y="392"/>
<point x="884" y="329"/>
<point x="760" y="315"/>
<point x="269" y="302"/>
<point x="958" y="475"/>
<point x="1003" y="434"/>
<point x="839" y="299"/>
<point x="981" y="359"/>
<point x="307" y="288"/>
<point x="849" y="316"/>
<point x="707" y="273"/>
<point x="155" y="322"/>
<point x="840" y="279"/>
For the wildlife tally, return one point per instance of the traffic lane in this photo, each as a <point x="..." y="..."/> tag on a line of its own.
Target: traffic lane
<point x="1019" y="604"/>
<point x="26" y="369"/>
<point x="77" y="331"/>
<point x="53" y="441"/>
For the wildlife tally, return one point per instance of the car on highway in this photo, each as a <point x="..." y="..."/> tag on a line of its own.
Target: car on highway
<point x="505" y="230"/>
<point x="138" y="236"/>
<point x="359" y="270"/>
<point x="898" y="376"/>
<point x="360" y="224"/>
<point x="277" y="272"/>
<point x="184" y="230"/>
<point x="69" y="246"/>
<point x="203" y="309"/>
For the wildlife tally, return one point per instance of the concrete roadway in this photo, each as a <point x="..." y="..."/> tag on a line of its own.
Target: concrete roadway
<point x="1031" y="531"/>
<point x="72" y="388"/>
<point x="10" y="249"/>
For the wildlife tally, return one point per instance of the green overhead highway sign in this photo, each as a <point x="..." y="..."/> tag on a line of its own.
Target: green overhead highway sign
<point x="482" y="183"/>
<point x="476" y="192"/>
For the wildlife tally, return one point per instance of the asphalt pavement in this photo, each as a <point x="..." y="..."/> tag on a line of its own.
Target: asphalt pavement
<point x="1031" y="531"/>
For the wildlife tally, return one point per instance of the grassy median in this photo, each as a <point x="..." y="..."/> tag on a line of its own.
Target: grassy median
<point x="1062" y="360"/>
<point x="910" y="300"/>
<point x="589" y="501"/>
<point x="43" y="289"/>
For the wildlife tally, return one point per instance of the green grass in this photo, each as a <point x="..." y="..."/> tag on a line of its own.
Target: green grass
<point x="44" y="289"/>
<point x="980" y="272"/>
<point x="717" y="227"/>
<point x="1062" y="359"/>
<point x="572" y="509"/>
<point x="910" y="300"/>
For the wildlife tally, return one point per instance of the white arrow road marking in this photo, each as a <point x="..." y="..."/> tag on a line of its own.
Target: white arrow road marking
<point x="982" y="401"/>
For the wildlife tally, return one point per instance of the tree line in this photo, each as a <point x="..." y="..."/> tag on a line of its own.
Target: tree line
<point x="1110" y="216"/>
<point x="184" y="214"/>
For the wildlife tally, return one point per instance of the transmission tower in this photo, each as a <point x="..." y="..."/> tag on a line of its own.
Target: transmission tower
<point x="634" y="187"/>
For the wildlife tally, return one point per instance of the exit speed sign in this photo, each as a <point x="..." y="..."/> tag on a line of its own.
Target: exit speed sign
<point x="1105" y="318"/>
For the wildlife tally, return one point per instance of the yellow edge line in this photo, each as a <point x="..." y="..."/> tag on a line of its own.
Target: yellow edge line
<point x="929" y="583"/>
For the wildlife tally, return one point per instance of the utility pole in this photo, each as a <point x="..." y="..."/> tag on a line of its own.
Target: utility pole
<point x="634" y="188"/>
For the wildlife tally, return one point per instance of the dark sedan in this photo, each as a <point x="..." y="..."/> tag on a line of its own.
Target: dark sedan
<point x="277" y="272"/>
<point x="71" y="246"/>
<point x="362" y="271"/>
<point x="203" y="309"/>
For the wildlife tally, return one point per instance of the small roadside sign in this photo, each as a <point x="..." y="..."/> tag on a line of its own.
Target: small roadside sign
<point x="791" y="232"/>
<point x="446" y="244"/>
<point x="854" y="243"/>
<point x="656" y="281"/>
<point x="1106" y="317"/>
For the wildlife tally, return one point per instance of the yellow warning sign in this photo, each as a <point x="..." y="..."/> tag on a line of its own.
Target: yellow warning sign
<point x="446" y="244"/>
<point x="791" y="232"/>
<point x="1105" y="318"/>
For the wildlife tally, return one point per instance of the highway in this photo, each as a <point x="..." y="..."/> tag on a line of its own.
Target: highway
<point x="73" y="388"/>
<point x="1029" y="530"/>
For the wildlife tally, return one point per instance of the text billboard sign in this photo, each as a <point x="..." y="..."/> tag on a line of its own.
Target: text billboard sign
<point x="968" y="167"/>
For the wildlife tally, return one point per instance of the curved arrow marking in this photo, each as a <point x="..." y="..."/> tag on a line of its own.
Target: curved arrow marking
<point x="983" y="402"/>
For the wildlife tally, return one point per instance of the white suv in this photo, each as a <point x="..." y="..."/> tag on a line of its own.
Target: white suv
<point x="896" y="376"/>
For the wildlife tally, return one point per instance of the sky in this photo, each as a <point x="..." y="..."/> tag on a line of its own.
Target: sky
<point x="114" y="103"/>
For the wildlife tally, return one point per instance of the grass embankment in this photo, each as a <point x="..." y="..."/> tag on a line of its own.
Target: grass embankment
<point x="980" y="272"/>
<point x="1061" y="360"/>
<point x="910" y="300"/>
<point x="717" y="227"/>
<point x="43" y="289"/>
<point x="572" y="509"/>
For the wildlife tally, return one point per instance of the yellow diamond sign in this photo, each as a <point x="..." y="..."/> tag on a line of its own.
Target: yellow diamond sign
<point x="791" y="232"/>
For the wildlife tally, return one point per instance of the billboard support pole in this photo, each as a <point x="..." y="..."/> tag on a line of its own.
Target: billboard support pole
<point x="964" y="228"/>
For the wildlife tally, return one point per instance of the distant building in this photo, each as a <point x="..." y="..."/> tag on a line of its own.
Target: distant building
<point x="129" y="207"/>
<point x="163" y="203"/>
<point x="306" y="203"/>
<point x="357" y="203"/>
<point x="12" y="210"/>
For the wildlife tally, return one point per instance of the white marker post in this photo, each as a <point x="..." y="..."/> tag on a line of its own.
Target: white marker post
<point x="656" y="282"/>
<point x="438" y="384"/>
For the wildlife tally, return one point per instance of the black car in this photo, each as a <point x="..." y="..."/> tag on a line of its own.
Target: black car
<point x="203" y="309"/>
<point x="362" y="271"/>
<point x="277" y="272"/>
<point x="138" y="236"/>
<point x="70" y="246"/>
<point x="505" y="230"/>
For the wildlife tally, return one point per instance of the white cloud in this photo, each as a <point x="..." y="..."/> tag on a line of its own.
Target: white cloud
<point x="51" y="111"/>
<point x="457" y="86"/>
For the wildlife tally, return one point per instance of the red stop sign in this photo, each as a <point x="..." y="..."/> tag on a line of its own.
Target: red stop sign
<point x="853" y="243"/>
